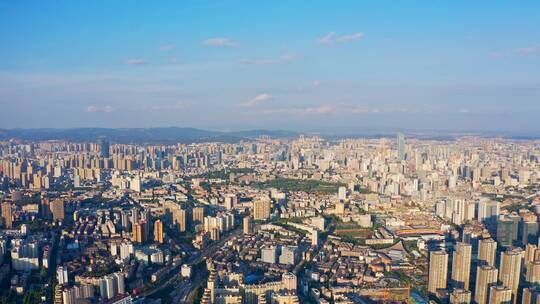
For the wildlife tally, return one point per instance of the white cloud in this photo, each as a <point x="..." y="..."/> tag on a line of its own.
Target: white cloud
<point x="220" y="41"/>
<point x="91" y="109"/>
<point x="529" y="50"/>
<point x="166" y="48"/>
<point x="257" y="100"/>
<point x="94" y="109"/>
<point x="136" y="61"/>
<point x="326" y="39"/>
<point x="270" y="61"/>
<point x="350" y="37"/>
<point x="322" y="109"/>
<point x="332" y="38"/>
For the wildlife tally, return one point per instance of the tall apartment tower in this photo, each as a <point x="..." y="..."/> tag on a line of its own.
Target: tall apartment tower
<point x="500" y="295"/>
<point x="198" y="214"/>
<point x="486" y="276"/>
<point x="57" y="209"/>
<point x="179" y="219"/>
<point x="487" y="249"/>
<point x="261" y="209"/>
<point x="158" y="231"/>
<point x="510" y="270"/>
<point x="533" y="273"/>
<point x="461" y="266"/>
<point x="438" y="271"/>
<point x="6" y="215"/>
<point x="460" y="296"/>
<point x="401" y="146"/>
<point x="248" y="225"/>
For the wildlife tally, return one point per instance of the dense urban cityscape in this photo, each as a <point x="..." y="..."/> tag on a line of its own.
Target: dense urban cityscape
<point x="271" y="220"/>
<point x="269" y="152"/>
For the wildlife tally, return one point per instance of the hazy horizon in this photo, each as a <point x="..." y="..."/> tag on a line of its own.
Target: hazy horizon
<point x="279" y="65"/>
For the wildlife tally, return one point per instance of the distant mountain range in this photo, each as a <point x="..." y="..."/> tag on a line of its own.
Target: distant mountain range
<point x="173" y="135"/>
<point x="140" y="135"/>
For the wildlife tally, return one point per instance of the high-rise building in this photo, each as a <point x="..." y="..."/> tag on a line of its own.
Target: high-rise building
<point x="248" y="225"/>
<point x="269" y="255"/>
<point x="342" y="193"/>
<point x="158" y="231"/>
<point x="289" y="281"/>
<point x="488" y="210"/>
<point x="533" y="273"/>
<point x="198" y="214"/>
<point x="500" y="295"/>
<point x="487" y="249"/>
<point x="104" y="148"/>
<point x="510" y="270"/>
<point x="57" y="209"/>
<point x="401" y="146"/>
<point x="486" y="276"/>
<point x="530" y="295"/>
<point x="460" y="296"/>
<point x="529" y="229"/>
<point x="261" y="209"/>
<point x="288" y="255"/>
<point x="179" y="219"/>
<point x="7" y="218"/>
<point x="62" y="275"/>
<point x="461" y="266"/>
<point x="438" y="271"/>
<point x="140" y="232"/>
<point x="507" y="230"/>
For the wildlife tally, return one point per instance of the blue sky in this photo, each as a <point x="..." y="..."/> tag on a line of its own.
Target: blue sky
<point x="340" y="66"/>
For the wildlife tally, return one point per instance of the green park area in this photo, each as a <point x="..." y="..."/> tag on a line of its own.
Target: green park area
<point x="290" y="184"/>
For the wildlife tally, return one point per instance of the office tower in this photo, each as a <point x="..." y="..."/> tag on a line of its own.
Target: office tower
<point x="6" y="215"/>
<point x="198" y="214"/>
<point x="57" y="209"/>
<point x="461" y="266"/>
<point x="179" y="219"/>
<point x="530" y="254"/>
<point x="248" y="225"/>
<point x="500" y="295"/>
<point x="62" y="275"/>
<point x="261" y="209"/>
<point x="510" y="270"/>
<point x="460" y="296"/>
<point x="488" y="210"/>
<point x="486" y="276"/>
<point x="104" y="148"/>
<point x="507" y="230"/>
<point x="487" y="248"/>
<point x="158" y="231"/>
<point x="401" y="146"/>
<point x="438" y="270"/>
<point x="533" y="272"/>
<point x="529" y="229"/>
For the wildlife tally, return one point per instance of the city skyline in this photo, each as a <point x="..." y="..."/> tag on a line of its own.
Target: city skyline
<point x="387" y="65"/>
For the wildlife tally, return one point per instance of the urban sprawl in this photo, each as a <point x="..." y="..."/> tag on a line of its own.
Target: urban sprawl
<point x="269" y="220"/>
